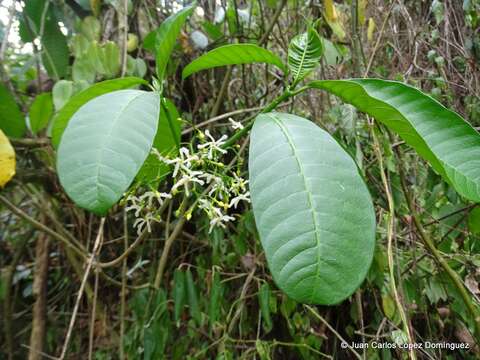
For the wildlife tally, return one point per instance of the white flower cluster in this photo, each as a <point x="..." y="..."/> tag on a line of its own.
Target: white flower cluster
<point x="147" y="201"/>
<point x="190" y="169"/>
<point x="201" y="167"/>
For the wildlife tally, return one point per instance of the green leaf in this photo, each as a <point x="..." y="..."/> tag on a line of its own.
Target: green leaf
<point x="304" y="53"/>
<point x="54" y="44"/>
<point x="110" y="59"/>
<point x="213" y="30"/>
<point x="136" y="67"/>
<point x="83" y="70"/>
<point x="264" y="302"/>
<point x="55" y="53"/>
<point x="63" y="116"/>
<point x="179" y="293"/>
<point x="474" y="221"/>
<point x="41" y="112"/>
<point x="61" y="92"/>
<point x="313" y="211"/>
<point x="32" y="13"/>
<point x="440" y="136"/>
<point x="193" y="298"/>
<point x="12" y="121"/>
<point x="91" y="28"/>
<point x="233" y="54"/>
<point x="104" y="145"/>
<point x="166" y="140"/>
<point x="166" y="37"/>
<point x="214" y="306"/>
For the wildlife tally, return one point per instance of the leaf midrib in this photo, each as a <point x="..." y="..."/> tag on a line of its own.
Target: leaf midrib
<point x="298" y="76"/>
<point x="107" y="138"/>
<point x="307" y="190"/>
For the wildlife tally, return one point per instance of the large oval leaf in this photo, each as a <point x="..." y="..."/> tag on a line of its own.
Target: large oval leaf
<point x="104" y="146"/>
<point x="233" y="54"/>
<point x="313" y="211"/>
<point x="304" y="53"/>
<point x="63" y="116"/>
<point x="440" y="136"/>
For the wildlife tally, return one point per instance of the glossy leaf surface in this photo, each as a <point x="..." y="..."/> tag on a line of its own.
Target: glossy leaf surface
<point x="234" y="54"/>
<point x="166" y="37"/>
<point x="40" y="112"/>
<point x="104" y="146"/>
<point x="39" y="20"/>
<point x="440" y="136"/>
<point x="12" y="122"/>
<point x="63" y="116"/>
<point x="312" y="209"/>
<point x="304" y="53"/>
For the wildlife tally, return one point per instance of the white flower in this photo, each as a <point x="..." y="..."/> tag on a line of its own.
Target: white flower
<point x="217" y="181"/>
<point x="183" y="162"/>
<point x="245" y="197"/>
<point x="186" y="179"/>
<point x="213" y="145"/>
<point x="141" y="222"/>
<point x="235" y="124"/>
<point x="219" y="219"/>
<point x="238" y="184"/>
<point x="150" y="195"/>
<point x="135" y="205"/>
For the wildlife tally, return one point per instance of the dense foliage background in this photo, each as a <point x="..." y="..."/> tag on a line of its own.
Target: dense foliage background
<point x="212" y="296"/>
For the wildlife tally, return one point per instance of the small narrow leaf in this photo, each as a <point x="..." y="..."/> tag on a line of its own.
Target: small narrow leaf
<point x="440" y="136"/>
<point x="233" y="54"/>
<point x="215" y="294"/>
<point x="7" y="160"/>
<point x="193" y="298"/>
<point x="74" y="103"/>
<point x="41" y="112"/>
<point x="179" y="293"/>
<point x="166" y="37"/>
<point x="304" y="53"/>
<point x="105" y="144"/>
<point x="264" y="302"/>
<point x="12" y="121"/>
<point x="313" y="211"/>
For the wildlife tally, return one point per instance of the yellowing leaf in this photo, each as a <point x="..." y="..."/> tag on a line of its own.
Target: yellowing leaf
<point x="370" y="29"/>
<point x="7" y="160"/>
<point x="333" y="19"/>
<point x="95" y="6"/>
<point x="330" y="12"/>
<point x="362" y="4"/>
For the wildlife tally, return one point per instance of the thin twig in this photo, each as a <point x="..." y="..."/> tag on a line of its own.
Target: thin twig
<point x="275" y="17"/>
<point x="456" y="281"/>
<point x="335" y="332"/>
<point x="124" y="287"/>
<point x="38" y="225"/>
<point x="96" y="249"/>
<point x="219" y="117"/>
<point x="390" y="235"/>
